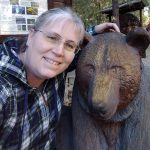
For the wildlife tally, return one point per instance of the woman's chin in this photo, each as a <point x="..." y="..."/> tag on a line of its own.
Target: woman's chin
<point x="50" y="74"/>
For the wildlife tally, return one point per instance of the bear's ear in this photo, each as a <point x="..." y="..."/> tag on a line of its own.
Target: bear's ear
<point x="87" y="38"/>
<point x="139" y="39"/>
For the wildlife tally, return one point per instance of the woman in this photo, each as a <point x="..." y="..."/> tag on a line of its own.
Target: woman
<point x="32" y="75"/>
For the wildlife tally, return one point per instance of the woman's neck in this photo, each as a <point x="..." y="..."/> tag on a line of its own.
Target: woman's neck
<point x="33" y="81"/>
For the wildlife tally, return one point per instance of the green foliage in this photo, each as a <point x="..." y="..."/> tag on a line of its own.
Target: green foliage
<point x="146" y="19"/>
<point x="89" y="10"/>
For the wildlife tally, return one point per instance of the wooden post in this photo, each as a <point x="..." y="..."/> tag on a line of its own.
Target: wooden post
<point x="115" y="12"/>
<point x="109" y="16"/>
<point x="141" y="19"/>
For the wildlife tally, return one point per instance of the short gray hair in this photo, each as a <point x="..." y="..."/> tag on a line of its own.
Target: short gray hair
<point x="57" y="14"/>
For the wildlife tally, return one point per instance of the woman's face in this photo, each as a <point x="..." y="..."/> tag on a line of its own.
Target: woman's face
<point x="47" y="54"/>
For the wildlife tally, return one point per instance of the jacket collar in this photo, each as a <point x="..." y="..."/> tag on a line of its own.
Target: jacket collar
<point x="9" y="61"/>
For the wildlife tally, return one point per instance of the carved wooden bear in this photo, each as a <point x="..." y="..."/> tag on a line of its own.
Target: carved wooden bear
<point x="111" y="101"/>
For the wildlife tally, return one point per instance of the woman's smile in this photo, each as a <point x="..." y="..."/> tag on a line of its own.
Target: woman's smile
<point x="51" y="61"/>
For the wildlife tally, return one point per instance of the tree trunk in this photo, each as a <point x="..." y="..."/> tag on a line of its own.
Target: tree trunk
<point x="59" y="3"/>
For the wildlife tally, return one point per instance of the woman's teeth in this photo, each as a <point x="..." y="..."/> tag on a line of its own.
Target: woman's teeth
<point x="52" y="61"/>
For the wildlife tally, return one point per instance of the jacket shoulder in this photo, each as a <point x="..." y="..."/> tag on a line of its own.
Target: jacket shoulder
<point x="5" y="88"/>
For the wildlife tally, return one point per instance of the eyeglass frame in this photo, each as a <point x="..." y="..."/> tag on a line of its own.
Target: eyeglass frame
<point x="76" y="48"/>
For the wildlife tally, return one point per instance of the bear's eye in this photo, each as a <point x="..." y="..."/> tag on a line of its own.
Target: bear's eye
<point x="116" y="71"/>
<point x="89" y="69"/>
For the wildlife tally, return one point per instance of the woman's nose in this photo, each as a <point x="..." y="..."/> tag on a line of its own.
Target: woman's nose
<point x="59" y="49"/>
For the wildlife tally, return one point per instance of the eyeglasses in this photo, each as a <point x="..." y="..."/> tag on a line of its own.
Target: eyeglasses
<point x="56" y="40"/>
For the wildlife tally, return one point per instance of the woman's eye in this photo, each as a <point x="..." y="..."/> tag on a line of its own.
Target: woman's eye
<point x="52" y="38"/>
<point x="70" y="46"/>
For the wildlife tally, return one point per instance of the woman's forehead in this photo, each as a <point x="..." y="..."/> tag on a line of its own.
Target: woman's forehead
<point x="59" y="22"/>
<point x="62" y="25"/>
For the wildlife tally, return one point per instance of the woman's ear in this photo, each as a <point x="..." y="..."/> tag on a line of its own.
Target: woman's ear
<point x="30" y="35"/>
<point x="139" y="39"/>
<point x="87" y="38"/>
